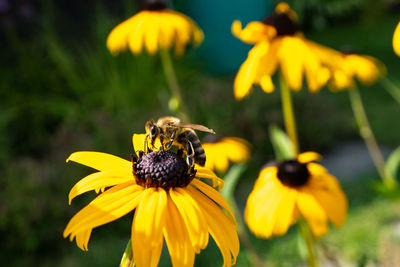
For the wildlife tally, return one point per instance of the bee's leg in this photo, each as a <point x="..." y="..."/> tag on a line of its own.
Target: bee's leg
<point x="190" y="154"/>
<point x="162" y="141"/>
<point x="146" y="144"/>
<point x="171" y="141"/>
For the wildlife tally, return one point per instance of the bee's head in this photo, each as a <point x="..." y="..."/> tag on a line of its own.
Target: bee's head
<point x="152" y="130"/>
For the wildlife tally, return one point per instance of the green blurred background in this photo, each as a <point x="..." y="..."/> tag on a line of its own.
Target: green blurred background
<point x="61" y="91"/>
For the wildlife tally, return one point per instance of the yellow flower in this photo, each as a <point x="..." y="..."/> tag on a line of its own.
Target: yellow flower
<point x="278" y="43"/>
<point x="228" y="149"/>
<point x="155" y="27"/>
<point x="347" y="66"/>
<point x="169" y="202"/>
<point x="396" y="40"/>
<point x="292" y="188"/>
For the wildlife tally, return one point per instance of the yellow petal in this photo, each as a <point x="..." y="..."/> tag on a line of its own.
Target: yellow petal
<point x="82" y="239"/>
<point x="99" y="180"/>
<point x="214" y="195"/>
<point x="237" y="149"/>
<point x="261" y="209"/>
<point x="151" y="34"/>
<point x="177" y="237"/>
<point x="118" y="38"/>
<point x="194" y="220"/>
<point x="208" y="174"/>
<point x="107" y="207"/>
<point x="136" y="35"/>
<point x="396" y="40"/>
<point x="221" y="228"/>
<point x="147" y="227"/>
<point x="367" y="69"/>
<point x="100" y="161"/>
<point x="254" y="32"/>
<point x="246" y="75"/>
<point x="266" y="84"/>
<point x="307" y="157"/>
<point x="328" y="193"/>
<point x="314" y="214"/>
<point x="285" y="212"/>
<point x="291" y="59"/>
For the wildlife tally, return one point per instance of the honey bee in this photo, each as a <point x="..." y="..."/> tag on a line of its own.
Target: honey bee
<point x="171" y="129"/>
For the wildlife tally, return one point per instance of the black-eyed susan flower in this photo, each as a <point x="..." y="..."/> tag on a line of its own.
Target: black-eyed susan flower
<point x="168" y="202"/>
<point x="278" y="44"/>
<point x="396" y="40"/>
<point x="221" y="151"/>
<point x="155" y="27"/>
<point x="292" y="188"/>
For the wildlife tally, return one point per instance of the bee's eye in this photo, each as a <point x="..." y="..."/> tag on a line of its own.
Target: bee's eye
<point x="153" y="130"/>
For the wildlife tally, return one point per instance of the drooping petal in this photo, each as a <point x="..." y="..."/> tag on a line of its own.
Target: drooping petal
<point x="117" y="39"/>
<point x="221" y="227"/>
<point x="152" y="33"/>
<point x="208" y="174"/>
<point x="177" y="238"/>
<point x="367" y="69"/>
<point x="109" y="206"/>
<point x="136" y="33"/>
<point x="214" y="195"/>
<point x="247" y="73"/>
<point x="147" y="227"/>
<point x="270" y="207"/>
<point x="192" y="216"/>
<point x="100" y="161"/>
<point x="285" y="212"/>
<point x="313" y="212"/>
<point x="396" y="40"/>
<point x="291" y="62"/>
<point x="99" y="180"/>
<point x="82" y="239"/>
<point x="328" y="193"/>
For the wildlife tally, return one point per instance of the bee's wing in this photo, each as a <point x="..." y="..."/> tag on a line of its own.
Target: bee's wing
<point x="196" y="127"/>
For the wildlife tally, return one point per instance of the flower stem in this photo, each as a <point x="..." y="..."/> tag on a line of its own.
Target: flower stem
<point x="369" y="138"/>
<point x="173" y="83"/>
<point x="288" y="114"/>
<point x="391" y="88"/>
<point x="309" y="239"/>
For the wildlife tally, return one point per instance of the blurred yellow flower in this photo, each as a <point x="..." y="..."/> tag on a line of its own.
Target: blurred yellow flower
<point x="278" y="43"/>
<point x="168" y="200"/>
<point x="292" y="188"/>
<point x="347" y="66"/>
<point x="396" y="40"/>
<point x="155" y="27"/>
<point x="222" y="151"/>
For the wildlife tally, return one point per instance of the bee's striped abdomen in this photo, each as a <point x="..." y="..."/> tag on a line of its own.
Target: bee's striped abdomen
<point x="199" y="154"/>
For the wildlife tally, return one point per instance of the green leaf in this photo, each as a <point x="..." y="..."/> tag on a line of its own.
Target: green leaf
<point x="389" y="192"/>
<point x="393" y="162"/>
<point x="281" y="143"/>
<point x="127" y="258"/>
<point x="231" y="179"/>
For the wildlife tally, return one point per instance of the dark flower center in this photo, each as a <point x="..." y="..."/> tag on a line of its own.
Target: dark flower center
<point x="162" y="169"/>
<point x="283" y="24"/>
<point x="293" y="173"/>
<point x="154" y="5"/>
